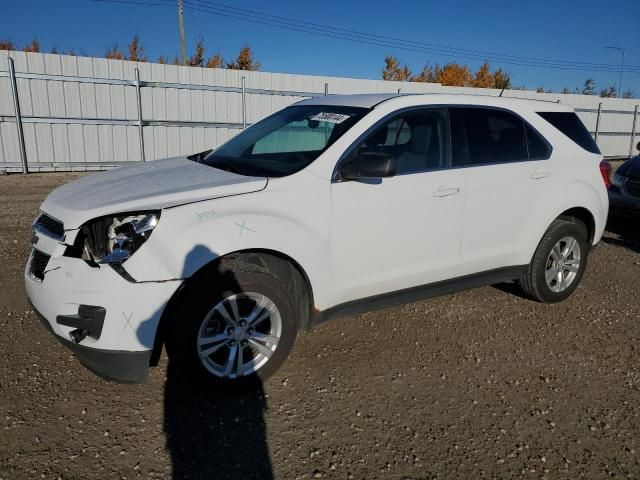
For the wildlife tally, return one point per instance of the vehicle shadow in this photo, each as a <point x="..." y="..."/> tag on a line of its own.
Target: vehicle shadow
<point x="214" y="435"/>
<point x="623" y="232"/>
<point x="217" y="436"/>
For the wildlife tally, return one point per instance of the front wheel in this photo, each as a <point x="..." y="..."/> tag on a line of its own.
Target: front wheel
<point x="558" y="263"/>
<point x="233" y="330"/>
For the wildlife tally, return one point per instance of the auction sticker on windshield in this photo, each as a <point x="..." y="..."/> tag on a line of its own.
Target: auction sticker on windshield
<point x="330" y="117"/>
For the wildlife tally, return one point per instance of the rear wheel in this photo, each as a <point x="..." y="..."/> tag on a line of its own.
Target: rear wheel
<point x="558" y="263"/>
<point x="234" y="330"/>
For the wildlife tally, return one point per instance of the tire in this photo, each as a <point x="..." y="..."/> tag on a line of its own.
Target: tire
<point x="205" y="321"/>
<point x="541" y="281"/>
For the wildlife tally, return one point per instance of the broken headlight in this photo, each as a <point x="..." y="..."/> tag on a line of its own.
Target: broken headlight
<point x="115" y="238"/>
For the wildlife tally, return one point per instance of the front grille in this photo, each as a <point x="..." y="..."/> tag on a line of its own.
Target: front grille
<point x="633" y="187"/>
<point x="38" y="263"/>
<point x="49" y="226"/>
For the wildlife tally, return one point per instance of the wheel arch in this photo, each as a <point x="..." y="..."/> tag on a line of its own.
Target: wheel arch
<point x="585" y="216"/>
<point x="276" y="263"/>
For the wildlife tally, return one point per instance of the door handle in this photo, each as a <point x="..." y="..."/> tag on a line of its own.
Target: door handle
<point x="539" y="175"/>
<point x="446" y="191"/>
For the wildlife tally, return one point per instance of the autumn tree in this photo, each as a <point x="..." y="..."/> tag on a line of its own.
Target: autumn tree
<point x="197" y="59"/>
<point x="589" y="87"/>
<point x="428" y="74"/>
<point x="162" y="60"/>
<point x="451" y="74"/>
<point x="609" y="92"/>
<point x="454" y="75"/>
<point x="244" y="60"/>
<point x="501" y="79"/>
<point x="114" y="53"/>
<point x="7" y="45"/>
<point x="216" y="61"/>
<point x="33" y="46"/>
<point x="136" y="50"/>
<point x="393" y="71"/>
<point x="483" y="78"/>
<point x="540" y="90"/>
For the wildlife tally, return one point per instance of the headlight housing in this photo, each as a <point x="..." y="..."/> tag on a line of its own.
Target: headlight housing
<point x="115" y="238"/>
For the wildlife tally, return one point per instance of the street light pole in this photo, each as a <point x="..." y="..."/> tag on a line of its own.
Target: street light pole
<point x="621" y="50"/>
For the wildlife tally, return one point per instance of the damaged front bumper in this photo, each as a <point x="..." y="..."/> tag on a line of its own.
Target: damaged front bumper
<point x="108" y="321"/>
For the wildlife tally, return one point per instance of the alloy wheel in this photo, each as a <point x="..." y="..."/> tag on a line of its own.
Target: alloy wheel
<point x="563" y="264"/>
<point x="239" y="335"/>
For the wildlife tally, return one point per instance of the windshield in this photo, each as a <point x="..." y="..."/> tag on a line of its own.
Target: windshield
<point x="286" y="142"/>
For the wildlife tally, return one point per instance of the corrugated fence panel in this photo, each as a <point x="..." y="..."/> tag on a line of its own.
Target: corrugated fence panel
<point x="90" y="118"/>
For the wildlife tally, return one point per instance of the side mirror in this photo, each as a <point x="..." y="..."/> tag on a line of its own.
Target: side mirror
<point x="369" y="165"/>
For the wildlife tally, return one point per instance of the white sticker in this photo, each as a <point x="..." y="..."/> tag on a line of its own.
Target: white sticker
<point x="330" y="117"/>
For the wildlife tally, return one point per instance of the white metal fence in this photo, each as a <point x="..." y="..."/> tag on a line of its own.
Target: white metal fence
<point x="81" y="113"/>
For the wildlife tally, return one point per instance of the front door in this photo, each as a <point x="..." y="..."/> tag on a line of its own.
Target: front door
<point x="394" y="233"/>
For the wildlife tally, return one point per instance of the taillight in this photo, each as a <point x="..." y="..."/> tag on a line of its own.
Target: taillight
<point x="605" y="171"/>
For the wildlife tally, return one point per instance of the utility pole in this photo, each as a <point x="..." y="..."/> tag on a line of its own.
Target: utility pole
<point x="621" y="50"/>
<point x="183" y="50"/>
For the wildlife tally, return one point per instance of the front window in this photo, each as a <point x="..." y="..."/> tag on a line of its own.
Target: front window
<point x="286" y="142"/>
<point x="418" y="140"/>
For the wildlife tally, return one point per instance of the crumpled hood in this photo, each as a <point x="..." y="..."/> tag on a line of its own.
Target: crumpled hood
<point x="153" y="185"/>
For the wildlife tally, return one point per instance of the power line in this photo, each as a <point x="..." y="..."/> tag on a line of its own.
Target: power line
<point x="399" y="40"/>
<point x="206" y="6"/>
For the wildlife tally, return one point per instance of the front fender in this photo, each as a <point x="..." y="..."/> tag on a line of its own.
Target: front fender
<point x="190" y="236"/>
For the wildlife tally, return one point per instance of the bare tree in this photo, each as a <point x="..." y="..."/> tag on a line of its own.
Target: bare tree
<point x="589" y="87"/>
<point x="609" y="92"/>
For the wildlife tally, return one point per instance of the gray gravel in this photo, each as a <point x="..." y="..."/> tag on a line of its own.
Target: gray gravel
<point x="481" y="384"/>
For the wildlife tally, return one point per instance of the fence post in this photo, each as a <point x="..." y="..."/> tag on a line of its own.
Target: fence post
<point x="326" y="89"/>
<point x="598" y="122"/>
<point x="18" y="115"/>
<point x="139" y="99"/>
<point x="244" y="105"/>
<point x="633" y="131"/>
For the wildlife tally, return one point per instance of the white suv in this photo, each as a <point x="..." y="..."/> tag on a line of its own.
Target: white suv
<point x="334" y="205"/>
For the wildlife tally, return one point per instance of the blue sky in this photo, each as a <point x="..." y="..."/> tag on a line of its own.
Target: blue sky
<point x="561" y="29"/>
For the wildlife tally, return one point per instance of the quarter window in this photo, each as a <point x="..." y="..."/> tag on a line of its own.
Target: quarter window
<point x="538" y="147"/>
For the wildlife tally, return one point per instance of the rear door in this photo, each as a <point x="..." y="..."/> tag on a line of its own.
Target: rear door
<point x="507" y="175"/>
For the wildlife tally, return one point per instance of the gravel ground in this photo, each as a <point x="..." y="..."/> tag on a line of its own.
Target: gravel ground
<point x="481" y="384"/>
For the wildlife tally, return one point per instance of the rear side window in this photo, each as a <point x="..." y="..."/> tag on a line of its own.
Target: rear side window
<point x="569" y="124"/>
<point x="539" y="148"/>
<point x="483" y="135"/>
